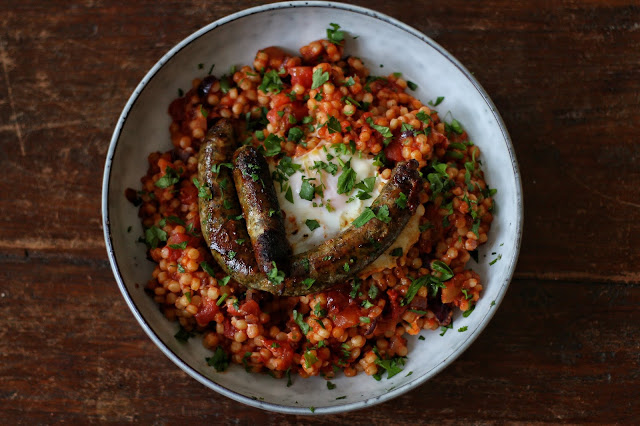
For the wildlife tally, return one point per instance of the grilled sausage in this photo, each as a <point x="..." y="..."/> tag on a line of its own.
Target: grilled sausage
<point x="352" y="250"/>
<point x="226" y="234"/>
<point x="261" y="209"/>
<point x="223" y="227"/>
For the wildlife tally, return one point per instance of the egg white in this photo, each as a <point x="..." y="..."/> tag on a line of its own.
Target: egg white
<point x="334" y="212"/>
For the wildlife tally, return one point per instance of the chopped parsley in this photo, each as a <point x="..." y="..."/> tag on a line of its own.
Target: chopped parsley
<point x="330" y="385"/>
<point x="366" y="187"/>
<point x="307" y="190"/>
<point x="153" y="236"/>
<point x="272" y="145"/>
<point x="462" y="329"/>
<point x="468" y="312"/>
<point x="397" y="252"/>
<point x="424" y="117"/>
<point x="384" y="131"/>
<point x="401" y="201"/>
<point x="437" y="102"/>
<point x="455" y="127"/>
<point x="219" y="360"/>
<point x="312" y="224"/>
<point x="347" y="179"/>
<point x="181" y="246"/>
<point x="383" y="214"/>
<point x="289" y="195"/>
<point x="392" y="366"/>
<point x="203" y="190"/>
<point x="222" y="299"/>
<point x="183" y="335"/>
<point x="224" y="281"/>
<point x="319" y="78"/>
<point x="412" y="85"/>
<point x="271" y="82"/>
<point x="245" y="361"/>
<point x="307" y="283"/>
<point x="333" y="124"/>
<point x="355" y="288"/>
<point x="496" y="259"/>
<point x="445" y="271"/>
<point x="334" y="35"/>
<point x="274" y="275"/>
<point x="216" y="167"/>
<point x="373" y="291"/>
<point x="366" y="215"/>
<point x="170" y="177"/>
<point x="365" y="320"/>
<point x="421" y="338"/>
<point x="304" y="327"/>
<point x="207" y="268"/>
<point x="444" y="329"/>
<point x="295" y="134"/>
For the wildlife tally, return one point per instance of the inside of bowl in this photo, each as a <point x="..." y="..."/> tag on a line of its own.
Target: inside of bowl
<point x="385" y="48"/>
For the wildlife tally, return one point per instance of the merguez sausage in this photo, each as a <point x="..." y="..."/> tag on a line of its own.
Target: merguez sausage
<point x="353" y="249"/>
<point x="223" y="227"/>
<point x="315" y="270"/>
<point x="257" y="196"/>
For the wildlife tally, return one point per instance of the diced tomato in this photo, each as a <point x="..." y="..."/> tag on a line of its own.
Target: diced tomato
<point x="188" y="194"/>
<point x="343" y="314"/>
<point x="162" y="165"/>
<point x="248" y="307"/>
<point x="277" y="56"/>
<point x="279" y="116"/>
<point x="396" y="309"/>
<point x="229" y="329"/>
<point x="279" y="100"/>
<point x="272" y="116"/>
<point x="206" y="312"/>
<point x="177" y="108"/>
<point x="280" y="350"/>
<point x="302" y="76"/>
<point x="348" y="317"/>
<point x="336" y="301"/>
<point x="299" y="110"/>
<point x="393" y="151"/>
<point x="453" y="288"/>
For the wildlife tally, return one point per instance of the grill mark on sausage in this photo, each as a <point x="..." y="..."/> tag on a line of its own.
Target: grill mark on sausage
<point x="356" y="247"/>
<point x="259" y="202"/>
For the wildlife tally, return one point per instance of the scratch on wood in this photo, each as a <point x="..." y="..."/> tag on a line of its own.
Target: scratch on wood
<point x="603" y="195"/>
<point x="44" y="126"/>
<point x="4" y="59"/>
<point x="58" y="243"/>
<point x="624" y="277"/>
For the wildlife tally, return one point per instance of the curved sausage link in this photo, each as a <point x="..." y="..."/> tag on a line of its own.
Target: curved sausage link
<point x="352" y="250"/>
<point x="261" y="209"/>
<point x="228" y="239"/>
<point x="221" y="220"/>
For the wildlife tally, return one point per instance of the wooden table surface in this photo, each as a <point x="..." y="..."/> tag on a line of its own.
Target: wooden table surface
<point x="563" y="347"/>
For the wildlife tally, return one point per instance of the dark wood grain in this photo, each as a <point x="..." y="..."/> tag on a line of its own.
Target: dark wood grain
<point x="562" y="348"/>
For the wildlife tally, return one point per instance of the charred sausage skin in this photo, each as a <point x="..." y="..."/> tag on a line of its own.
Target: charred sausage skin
<point x="223" y="227"/>
<point x="358" y="247"/>
<point x="259" y="202"/>
<point x="226" y="233"/>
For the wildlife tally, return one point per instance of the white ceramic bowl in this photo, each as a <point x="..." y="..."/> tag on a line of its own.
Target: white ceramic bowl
<point x="234" y="40"/>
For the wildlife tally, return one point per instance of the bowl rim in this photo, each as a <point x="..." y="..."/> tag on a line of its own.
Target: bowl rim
<point x="229" y="393"/>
